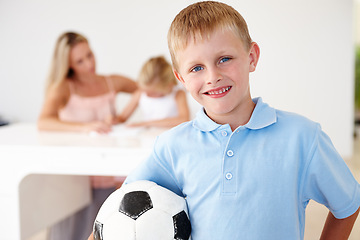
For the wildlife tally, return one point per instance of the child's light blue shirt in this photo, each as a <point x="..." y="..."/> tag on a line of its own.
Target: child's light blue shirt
<point x="253" y="183"/>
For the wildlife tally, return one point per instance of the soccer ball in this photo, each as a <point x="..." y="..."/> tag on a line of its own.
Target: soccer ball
<point x="142" y="210"/>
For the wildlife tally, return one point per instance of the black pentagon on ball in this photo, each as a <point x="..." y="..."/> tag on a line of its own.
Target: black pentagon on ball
<point x="182" y="226"/>
<point x="98" y="229"/>
<point x="135" y="203"/>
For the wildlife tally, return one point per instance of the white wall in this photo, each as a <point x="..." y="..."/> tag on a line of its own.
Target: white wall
<point x="306" y="62"/>
<point x="356" y="26"/>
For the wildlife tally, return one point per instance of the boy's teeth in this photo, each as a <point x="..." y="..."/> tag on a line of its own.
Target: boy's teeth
<point x="220" y="91"/>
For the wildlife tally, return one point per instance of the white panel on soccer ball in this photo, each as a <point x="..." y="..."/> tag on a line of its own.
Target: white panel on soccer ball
<point x="172" y="203"/>
<point x="117" y="225"/>
<point x="138" y="186"/>
<point x="155" y="225"/>
<point x="111" y="205"/>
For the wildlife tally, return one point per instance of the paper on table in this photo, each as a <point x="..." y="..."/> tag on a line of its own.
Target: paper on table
<point x="122" y="130"/>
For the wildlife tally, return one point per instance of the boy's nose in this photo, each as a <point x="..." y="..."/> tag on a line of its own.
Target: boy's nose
<point x="214" y="76"/>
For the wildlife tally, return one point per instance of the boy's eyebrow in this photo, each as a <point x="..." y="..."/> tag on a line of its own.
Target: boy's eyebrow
<point x="219" y="54"/>
<point x="189" y="65"/>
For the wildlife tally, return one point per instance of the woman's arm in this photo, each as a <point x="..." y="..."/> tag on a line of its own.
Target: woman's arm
<point x="183" y="110"/>
<point x="55" y="99"/>
<point x="123" y="84"/>
<point x="338" y="229"/>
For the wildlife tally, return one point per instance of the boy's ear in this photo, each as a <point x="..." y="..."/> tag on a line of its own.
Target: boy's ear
<point x="254" y="56"/>
<point x="178" y="76"/>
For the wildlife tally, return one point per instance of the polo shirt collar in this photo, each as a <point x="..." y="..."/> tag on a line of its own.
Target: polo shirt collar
<point x="262" y="116"/>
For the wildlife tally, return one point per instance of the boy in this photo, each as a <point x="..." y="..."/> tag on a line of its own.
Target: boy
<point x="247" y="170"/>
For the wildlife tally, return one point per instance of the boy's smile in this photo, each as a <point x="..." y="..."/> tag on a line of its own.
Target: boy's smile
<point x="220" y="92"/>
<point x="215" y="71"/>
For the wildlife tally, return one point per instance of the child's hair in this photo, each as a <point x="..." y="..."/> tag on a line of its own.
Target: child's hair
<point x="157" y="72"/>
<point x="60" y="66"/>
<point x="199" y="20"/>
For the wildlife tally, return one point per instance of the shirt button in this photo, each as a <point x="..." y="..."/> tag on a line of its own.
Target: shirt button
<point x="228" y="176"/>
<point x="230" y="153"/>
<point x="224" y="133"/>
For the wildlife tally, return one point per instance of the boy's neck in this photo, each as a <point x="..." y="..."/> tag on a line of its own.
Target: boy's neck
<point x="238" y="118"/>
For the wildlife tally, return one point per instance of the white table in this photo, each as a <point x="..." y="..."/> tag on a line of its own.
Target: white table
<point x="43" y="175"/>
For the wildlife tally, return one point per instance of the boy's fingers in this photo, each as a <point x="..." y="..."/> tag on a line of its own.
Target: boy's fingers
<point x="91" y="237"/>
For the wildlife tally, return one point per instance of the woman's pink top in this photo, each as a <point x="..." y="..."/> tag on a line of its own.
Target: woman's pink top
<point x="88" y="109"/>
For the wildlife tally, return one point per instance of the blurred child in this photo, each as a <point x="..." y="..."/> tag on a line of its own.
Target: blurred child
<point x="161" y="101"/>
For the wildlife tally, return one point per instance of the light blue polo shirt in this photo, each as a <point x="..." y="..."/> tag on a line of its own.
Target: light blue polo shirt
<point x="253" y="183"/>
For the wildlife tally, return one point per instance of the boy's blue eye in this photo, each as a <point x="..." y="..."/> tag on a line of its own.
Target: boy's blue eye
<point x="197" y="68"/>
<point x="225" y="59"/>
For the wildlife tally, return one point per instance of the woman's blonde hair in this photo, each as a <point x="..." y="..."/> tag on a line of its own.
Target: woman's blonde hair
<point x="157" y="72"/>
<point x="60" y="66"/>
<point x="199" y="20"/>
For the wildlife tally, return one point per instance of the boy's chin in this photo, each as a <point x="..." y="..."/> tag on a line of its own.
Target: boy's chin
<point x="217" y="112"/>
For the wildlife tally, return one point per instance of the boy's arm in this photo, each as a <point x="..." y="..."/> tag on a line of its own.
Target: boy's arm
<point x="338" y="229"/>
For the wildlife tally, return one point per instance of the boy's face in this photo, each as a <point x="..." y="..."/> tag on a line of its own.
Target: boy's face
<point x="216" y="73"/>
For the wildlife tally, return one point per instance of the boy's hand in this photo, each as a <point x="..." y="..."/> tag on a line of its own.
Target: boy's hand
<point x="91" y="237"/>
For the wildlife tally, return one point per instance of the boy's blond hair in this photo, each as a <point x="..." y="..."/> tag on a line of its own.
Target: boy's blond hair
<point x="199" y="20"/>
<point x="157" y="72"/>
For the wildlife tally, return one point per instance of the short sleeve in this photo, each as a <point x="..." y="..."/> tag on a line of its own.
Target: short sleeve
<point x="156" y="168"/>
<point x="328" y="180"/>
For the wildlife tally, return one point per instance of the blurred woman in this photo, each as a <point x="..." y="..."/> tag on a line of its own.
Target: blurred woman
<point x="78" y="99"/>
